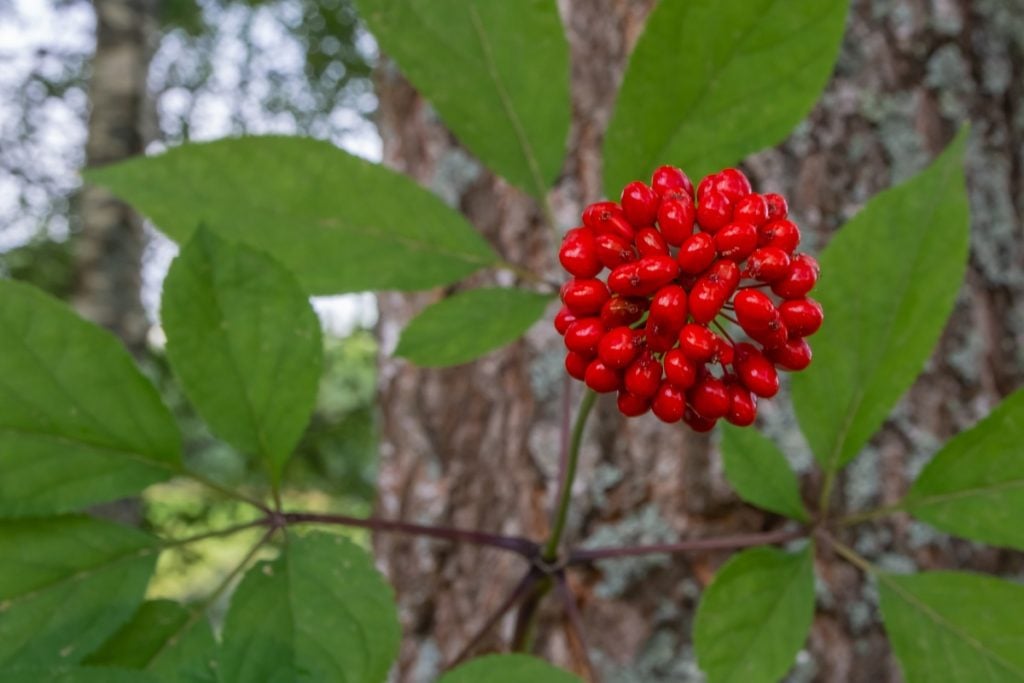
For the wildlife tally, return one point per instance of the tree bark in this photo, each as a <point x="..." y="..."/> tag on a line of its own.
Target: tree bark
<point x="110" y="239"/>
<point x="476" y="446"/>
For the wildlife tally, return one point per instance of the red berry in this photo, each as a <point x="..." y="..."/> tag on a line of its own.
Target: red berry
<point x="712" y="290"/>
<point x="751" y="209"/>
<point x="584" y="335"/>
<point x="578" y="253"/>
<point x="676" y="218"/>
<point x="622" y="311"/>
<point x="696" y="254"/>
<point x="643" y="376"/>
<point x="742" y="406"/>
<point x="614" y="250"/>
<point x="794" y="355"/>
<point x="799" y="279"/>
<point x="631" y="405"/>
<point x="736" y="241"/>
<point x="669" y="403"/>
<point x="618" y="347"/>
<point x="584" y="296"/>
<point x="772" y="335"/>
<point x="639" y="203"/>
<point x="668" y="307"/>
<point x="607" y="218"/>
<point x="777" y="206"/>
<point x="732" y="183"/>
<point x="803" y="317"/>
<point x="576" y="364"/>
<point x="679" y="369"/>
<point x="758" y="374"/>
<point x="602" y="378"/>
<point x="767" y="264"/>
<point x="668" y="179"/>
<point x="563" y="319"/>
<point x="697" y="422"/>
<point x="714" y="211"/>
<point x="779" y="233"/>
<point x="649" y="242"/>
<point x="725" y="352"/>
<point x="709" y="398"/>
<point x="754" y="310"/>
<point x="698" y="343"/>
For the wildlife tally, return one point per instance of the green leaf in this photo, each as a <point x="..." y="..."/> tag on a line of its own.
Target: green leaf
<point x="166" y="639"/>
<point x="496" y="71"/>
<point x="950" y="627"/>
<point x="246" y="344"/>
<point x="508" y="669"/>
<point x="469" y="324"/>
<point x="78" y="423"/>
<point x="889" y="279"/>
<point x="66" y="584"/>
<point x="711" y="81"/>
<point x="74" y="674"/>
<point x="755" y="616"/>
<point x="974" y="486"/>
<point x="759" y="472"/>
<point x="331" y="617"/>
<point x="339" y="223"/>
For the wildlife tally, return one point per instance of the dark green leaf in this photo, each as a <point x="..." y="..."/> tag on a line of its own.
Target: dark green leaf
<point x="759" y="472"/>
<point x="507" y="669"/>
<point x="974" y="487"/>
<point x="469" y="324"/>
<point x="952" y="627"/>
<point x="497" y="72"/>
<point x="78" y="423"/>
<point x="320" y="612"/>
<point x="755" y="616"/>
<point x="711" y="81"/>
<point x="66" y="584"/>
<point x="74" y="674"/>
<point x="339" y="223"/>
<point x="245" y="342"/>
<point x="888" y="282"/>
<point x="166" y="639"/>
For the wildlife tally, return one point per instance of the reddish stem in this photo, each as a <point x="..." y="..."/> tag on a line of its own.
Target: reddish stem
<point x="585" y="555"/>
<point x="520" y="591"/>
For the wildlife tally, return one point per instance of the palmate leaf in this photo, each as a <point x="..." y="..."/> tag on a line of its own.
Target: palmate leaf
<point x="759" y="472"/>
<point x="508" y="669"/>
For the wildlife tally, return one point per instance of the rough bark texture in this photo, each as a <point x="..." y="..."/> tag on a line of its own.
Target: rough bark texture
<point x="110" y="241"/>
<point x="477" y="446"/>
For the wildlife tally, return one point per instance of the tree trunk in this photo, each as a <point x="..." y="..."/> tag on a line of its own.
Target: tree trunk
<point x="110" y="241"/>
<point x="476" y="446"/>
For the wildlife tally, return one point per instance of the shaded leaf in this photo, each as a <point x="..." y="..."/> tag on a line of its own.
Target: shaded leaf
<point x="469" y="324"/>
<point x="508" y="669"/>
<point x="759" y="472"/>
<point x="339" y="223"/>
<point x="74" y="674"/>
<point x="711" y="81"/>
<point x="889" y="279"/>
<point x="496" y="71"/>
<point x="78" y="423"/>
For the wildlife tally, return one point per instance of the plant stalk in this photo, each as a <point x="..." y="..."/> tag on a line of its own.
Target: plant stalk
<point x="561" y="511"/>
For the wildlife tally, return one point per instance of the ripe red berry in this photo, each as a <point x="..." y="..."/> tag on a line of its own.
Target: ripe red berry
<point x="777" y="206"/>
<point x="758" y="374"/>
<point x="676" y="218"/>
<point x="698" y="343"/>
<point x="639" y="203"/>
<point x="668" y="307"/>
<point x="725" y="352"/>
<point x="649" y="242"/>
<point x="668" y="179"/>
<point x="607" y="218"/>
<point x="772" y="335"/>
<point x="563" y="319"/>
<point x="578" y="253"/>
<point x="631" y="405"/>
<point x="697" y="253"/>
<point x="736" y="241"/>
<point x="803" y="317"/>
<point x="799" y="279"/>
<point x="643" y="376"/>
<point x="794" y="355"/>
<point x="751" y="209"/>
<point x="584" y="335"/>
<point x="669" y="403"/>
<point x="779" y="233"/>
<point x="659" y="336"/>
<point x="709" y="397"/>
<point x="714" y="211"/>
<point x="742" y="406"/>
<point x="767" y="264"/>
<point x="618" y="347"/>
<point x="754" y="310"/>
<point x="576" y="364"/>
<point x="679" y="369"/>
<point x="602" y="378"/>
<point x="697" y="422"/>
<point x="584" y="296"/>
<point x="712" y="290"/>
<point x="620" y="310"/>
<point x="614" y="250"/>
<point x="732" y="183"/>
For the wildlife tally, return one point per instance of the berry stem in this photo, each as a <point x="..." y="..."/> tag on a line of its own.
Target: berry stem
<point x="849" y="554"/>
<point x="561" y="511"/>
<point x="586" y="555"/>
<point x="722" y="329"/>
<point x="516" y="544"/>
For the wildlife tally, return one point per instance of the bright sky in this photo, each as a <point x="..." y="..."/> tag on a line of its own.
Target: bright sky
<point x="35" y="25"/>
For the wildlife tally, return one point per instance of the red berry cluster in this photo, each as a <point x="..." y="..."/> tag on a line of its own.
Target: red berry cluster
<point x="678" y="267"/>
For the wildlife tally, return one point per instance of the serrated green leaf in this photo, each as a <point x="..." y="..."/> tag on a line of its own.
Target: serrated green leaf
<point x="508" y="669"/>
<point x="755" y="616"/>
<point x="78" y="423"/>
<point x="245" y="343"/>
<point x="74" y="674"/>
<point x="164" y="638"/>
<point x="66" y="584"/>
<point x="320" y="612"/>
<point x="974" y="486"/>
<point x="469" y="324"/>
<point x="339" y="223"/>
<point x="889" y="279"/>
<point x="951" y="627"/>
<point x="760" y="473"/>
<point x="496" y="71"/>
<point x="711" y="81"/>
